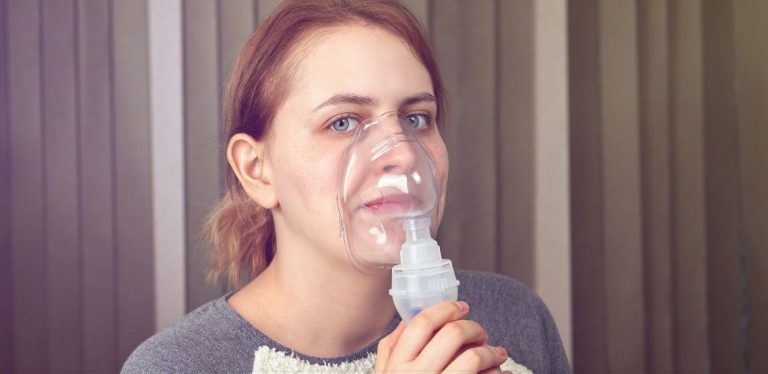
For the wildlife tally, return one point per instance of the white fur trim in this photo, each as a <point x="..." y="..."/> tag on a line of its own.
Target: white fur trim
<point x="514" y="367"/>
<point x="269" y="360"/>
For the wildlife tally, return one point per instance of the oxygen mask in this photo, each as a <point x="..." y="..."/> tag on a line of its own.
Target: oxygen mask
<point x="388" y="210"/>
<point x="388" y="176"/>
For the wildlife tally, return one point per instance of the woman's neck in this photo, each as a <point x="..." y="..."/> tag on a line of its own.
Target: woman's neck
<point x="316" y="307"/>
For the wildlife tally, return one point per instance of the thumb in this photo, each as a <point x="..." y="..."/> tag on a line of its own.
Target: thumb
<point x="387" y="344"/>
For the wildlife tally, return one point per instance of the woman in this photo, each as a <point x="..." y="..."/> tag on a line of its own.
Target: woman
<point x="311" y="73"/>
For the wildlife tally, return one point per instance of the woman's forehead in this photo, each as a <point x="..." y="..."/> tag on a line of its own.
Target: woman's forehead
<point x="365" y="60"/>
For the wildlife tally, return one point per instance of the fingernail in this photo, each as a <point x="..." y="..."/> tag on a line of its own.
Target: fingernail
<point x="463" y="306"/>
<point x="501" y="350"/>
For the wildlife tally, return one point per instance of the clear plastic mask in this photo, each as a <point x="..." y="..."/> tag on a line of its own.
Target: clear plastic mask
<point x="387" y="176"/>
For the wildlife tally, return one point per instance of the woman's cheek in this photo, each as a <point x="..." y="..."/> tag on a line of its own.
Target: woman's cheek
<point x="328" y="177"/>
<point x="441" y="166"/>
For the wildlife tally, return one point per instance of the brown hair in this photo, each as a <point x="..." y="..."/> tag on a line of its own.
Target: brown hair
<point x="240" y="231"/>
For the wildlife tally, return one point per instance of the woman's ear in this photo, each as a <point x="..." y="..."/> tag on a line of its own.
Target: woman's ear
<point x="246" y="157"/>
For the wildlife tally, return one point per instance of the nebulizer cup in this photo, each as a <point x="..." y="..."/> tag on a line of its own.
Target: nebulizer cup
<point x="423" y="277"/>
<point x="388" y="201"/>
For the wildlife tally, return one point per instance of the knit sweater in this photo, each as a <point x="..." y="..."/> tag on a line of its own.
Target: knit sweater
<point x="215" y="339"/>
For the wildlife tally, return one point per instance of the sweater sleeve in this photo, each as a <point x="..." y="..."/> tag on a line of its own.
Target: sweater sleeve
<point x="515" y="318"/>
<point x="556" y="358"/>
<point x="149" y="358"/>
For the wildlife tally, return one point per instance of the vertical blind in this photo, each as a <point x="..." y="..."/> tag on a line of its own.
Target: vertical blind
<point x="611" y="154"/>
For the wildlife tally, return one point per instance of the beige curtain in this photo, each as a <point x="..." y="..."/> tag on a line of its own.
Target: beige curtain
<point x="669" y="185"/>
<point x="611" y="154"/>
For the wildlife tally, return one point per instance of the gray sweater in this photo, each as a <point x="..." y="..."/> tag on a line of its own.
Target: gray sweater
<point x="215" y="339"/>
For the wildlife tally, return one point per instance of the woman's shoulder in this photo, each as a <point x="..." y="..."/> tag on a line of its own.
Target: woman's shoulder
<point x="500" y="294"/>
<point x="484" y="284"/>
<point x="207" y="339"/>
<point x="515" y="317"/>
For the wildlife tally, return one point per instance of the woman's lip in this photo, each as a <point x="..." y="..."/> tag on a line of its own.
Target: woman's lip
<point x="397" y="203"/>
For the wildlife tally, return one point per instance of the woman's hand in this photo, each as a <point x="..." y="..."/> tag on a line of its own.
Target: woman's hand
<point x="439" y="339"/>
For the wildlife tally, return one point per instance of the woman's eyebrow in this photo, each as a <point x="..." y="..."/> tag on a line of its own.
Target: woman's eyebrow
<point x="420" y="98"/>
<point x="368" y="101"/>
<point x="347" y="99"/>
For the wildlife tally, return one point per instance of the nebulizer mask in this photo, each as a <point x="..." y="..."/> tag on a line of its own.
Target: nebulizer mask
<point x="388" y="209"/>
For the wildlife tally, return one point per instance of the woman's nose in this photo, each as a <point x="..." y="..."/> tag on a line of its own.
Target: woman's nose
<point x="400" y="159"/>
<point x="396" y="152"/>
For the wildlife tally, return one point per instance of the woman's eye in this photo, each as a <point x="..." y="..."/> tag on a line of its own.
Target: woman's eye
<point x="418" y="121"/>
<point x="344" y="124"/>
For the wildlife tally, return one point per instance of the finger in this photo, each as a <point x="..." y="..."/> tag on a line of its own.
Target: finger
<point x="385" y="346"/>
<point x="478" y="359"/>
<point x="423" y="326"/>
<point x="496" y="370"/>
<point x="394" y="336"/>
<point x="449" y="341"/>
<point x="464" y="348"/>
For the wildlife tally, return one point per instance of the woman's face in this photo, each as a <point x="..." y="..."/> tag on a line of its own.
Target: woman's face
<point x="343" y="76"/>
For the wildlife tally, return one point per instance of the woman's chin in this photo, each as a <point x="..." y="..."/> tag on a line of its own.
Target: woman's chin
<point x="373" y="262"/>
